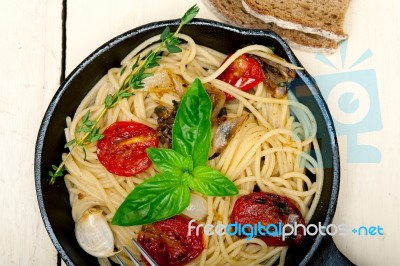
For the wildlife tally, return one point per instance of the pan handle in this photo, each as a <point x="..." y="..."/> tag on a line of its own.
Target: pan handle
<point x="329" y="255"/>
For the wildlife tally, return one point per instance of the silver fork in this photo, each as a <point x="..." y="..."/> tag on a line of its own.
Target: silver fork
<point x="135" y="260"/>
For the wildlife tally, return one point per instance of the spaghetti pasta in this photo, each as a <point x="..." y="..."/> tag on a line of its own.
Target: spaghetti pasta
<point x="269" y="151"/>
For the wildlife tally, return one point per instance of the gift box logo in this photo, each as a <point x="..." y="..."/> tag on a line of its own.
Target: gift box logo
<point x="353" y="100"/>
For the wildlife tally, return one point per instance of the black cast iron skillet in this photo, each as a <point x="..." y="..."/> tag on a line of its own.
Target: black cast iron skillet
<point x="53" y="199"/>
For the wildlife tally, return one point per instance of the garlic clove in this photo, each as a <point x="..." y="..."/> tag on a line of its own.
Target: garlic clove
<point x="197" y="208"/>
<point x="94" y="235"/>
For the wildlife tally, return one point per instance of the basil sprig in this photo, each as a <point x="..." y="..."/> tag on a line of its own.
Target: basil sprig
<point x="182" y="168"/>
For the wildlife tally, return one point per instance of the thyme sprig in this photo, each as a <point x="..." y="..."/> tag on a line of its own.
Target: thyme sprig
<point x="89" y="128"/>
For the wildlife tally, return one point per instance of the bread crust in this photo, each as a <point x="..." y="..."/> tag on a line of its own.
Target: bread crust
<point x="232" y="12"/>
<point x="321" y="17"/>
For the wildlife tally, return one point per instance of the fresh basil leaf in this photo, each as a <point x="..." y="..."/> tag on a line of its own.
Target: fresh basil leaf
<point x="155" y="199"/>
<point x="188" y="164"/>
<point x="167" y="160"/>
<point x="211" y="182"/>
<point x="191" y="132"/>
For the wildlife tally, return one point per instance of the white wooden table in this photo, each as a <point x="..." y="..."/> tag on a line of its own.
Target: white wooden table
<point x="31" y="66"/>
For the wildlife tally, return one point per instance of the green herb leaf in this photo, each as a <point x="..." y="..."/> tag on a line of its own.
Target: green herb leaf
<point x="86" y="117"/>
<point x="83" y="128"/>
<point x="190" y="14"/>
<point x="95" y="135"/>
<point x="108" y="102"/>
<point x="152" y="60"/>
<point x="69" y="143"/>
<point x="211" y="182"/>
<point x="146" y="75"/>
<point x="122" y="71"/>
<point x="191" y="132"/>
<point x="84" y="153"/>
<point x="58" y="171"/>
<point x="167" y="160"/>
<point x="173" y="49"/>
<point x="135" y="65"/>
<point x="188" y="164"/>
<point x="166" y="32"/>
<point x="155" y="199"/>
<point x="89" y="123"/>
<point x="124" y="95"/>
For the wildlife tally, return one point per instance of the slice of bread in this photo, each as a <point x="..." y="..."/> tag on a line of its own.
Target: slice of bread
<point x="321" y="17"/>
<point x="232" y="12"/>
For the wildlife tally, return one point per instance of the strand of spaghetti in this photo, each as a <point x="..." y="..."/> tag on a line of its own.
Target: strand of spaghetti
<point x="113" y="75"/>
<point x="250" y="153"/>
<point x="289" y="191"/>
<point x="313" y="162"/>
<point x="299" y="176"/>
<point x="274" y="58"/>
<point x="205" y="55"/>
<point x="232" y="58"/>
<point x="85" y="189"/>
<point x="241" y="95"/>
<point x="222" y="86"/>
<point x="214" y="258"/>
<point x="281" y="182"/>
<point x="319" y="181"/>
<point x="191" y="45"/>
<point x="296" y="199"/>
<point x="282" y="257"/>
<point x="140" y="47"/>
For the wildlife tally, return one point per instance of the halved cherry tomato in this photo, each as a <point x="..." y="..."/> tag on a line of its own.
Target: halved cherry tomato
<point x="122" y="151"/>
<point x="244" y="73"/>
<point x="169" y="243"/>
<point x="269" y="209"/>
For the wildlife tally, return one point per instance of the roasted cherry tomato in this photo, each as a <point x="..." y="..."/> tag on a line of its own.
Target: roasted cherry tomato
<point x="244" y="73"/>
<point x="169" y="243"/>
<point x="122" y="151"/>
<point x="269" y="209"/>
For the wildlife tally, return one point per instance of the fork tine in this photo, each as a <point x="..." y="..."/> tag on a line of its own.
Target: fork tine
<point x="106" y="262"/>
<point x="120" y="261"/>
<point x="132" y="257"/>
<point x="144" y="253"/>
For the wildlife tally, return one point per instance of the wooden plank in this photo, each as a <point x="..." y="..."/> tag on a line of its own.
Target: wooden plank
<point x="369" y="193"/>
<point x="107" y="19"/>
<point x="31" y="56"/>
